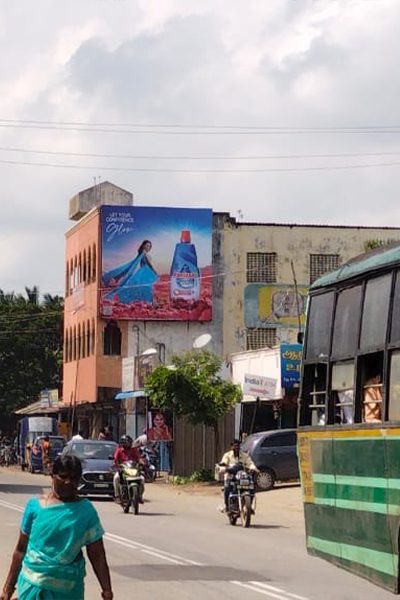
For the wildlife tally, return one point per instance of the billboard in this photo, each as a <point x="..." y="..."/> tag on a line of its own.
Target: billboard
<point x="156" y="263"/>
<point x="274" y="304"/>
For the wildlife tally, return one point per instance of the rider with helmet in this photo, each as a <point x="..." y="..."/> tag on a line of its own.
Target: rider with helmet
<point x="124" y="452"/>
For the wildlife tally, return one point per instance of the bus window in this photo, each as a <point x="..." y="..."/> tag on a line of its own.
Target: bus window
<point x="395" y="331"/>
<point x="347" y="318"/>
<point x="375" y="312"/>
<point x="394" y="387"/>
<point x="314" y="395"/>
<point x="371" y="381"/>
<point x="342" y="392"/>
<point x="319" y="325"/>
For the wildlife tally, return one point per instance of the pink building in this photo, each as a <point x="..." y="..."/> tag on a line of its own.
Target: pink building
<point x="93" y="347"/>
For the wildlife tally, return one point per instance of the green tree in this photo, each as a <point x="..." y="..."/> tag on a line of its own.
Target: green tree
<point x="30" y="347"/>
<point x="193" y="388"/>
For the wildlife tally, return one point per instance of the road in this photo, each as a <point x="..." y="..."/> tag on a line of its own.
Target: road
<point x="180" y="547"/>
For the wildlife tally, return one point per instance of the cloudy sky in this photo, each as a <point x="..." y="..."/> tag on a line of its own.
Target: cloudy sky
<point x="274" y="111"/>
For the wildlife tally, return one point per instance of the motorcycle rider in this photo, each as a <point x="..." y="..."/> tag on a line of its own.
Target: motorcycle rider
<point x="229" y="459"/>
<point x="124" y="452"/>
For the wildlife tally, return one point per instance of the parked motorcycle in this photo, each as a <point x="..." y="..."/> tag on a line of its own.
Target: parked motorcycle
<point x="7" y="454"/>
<point x="132" y="486"/>
<point x="241" y="501"/>
<point x="149" y="458"/>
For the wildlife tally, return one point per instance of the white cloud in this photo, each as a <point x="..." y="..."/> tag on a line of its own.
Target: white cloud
<point x="290" y="63"/>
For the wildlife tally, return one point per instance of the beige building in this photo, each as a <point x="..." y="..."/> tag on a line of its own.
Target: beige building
<point x="268" y="268"/>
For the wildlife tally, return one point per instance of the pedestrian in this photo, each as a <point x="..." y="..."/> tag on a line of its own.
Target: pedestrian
<point x="47" y="562"/>
<point x="109" y="432"/>
<point x="102" y="434"/>
<point x="78" y="436"/>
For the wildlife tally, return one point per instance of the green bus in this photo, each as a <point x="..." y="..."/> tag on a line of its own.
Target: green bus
<point x="349" y="417"/>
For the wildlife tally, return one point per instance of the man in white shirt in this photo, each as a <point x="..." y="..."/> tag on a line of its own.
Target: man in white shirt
<point x="78" y="436"/>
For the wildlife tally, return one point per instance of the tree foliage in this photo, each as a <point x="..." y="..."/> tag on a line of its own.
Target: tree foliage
<point x="30" y="346"/>
<point x="193" y="388"/>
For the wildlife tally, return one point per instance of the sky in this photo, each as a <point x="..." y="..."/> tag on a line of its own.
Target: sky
<point x="281" y="111"/>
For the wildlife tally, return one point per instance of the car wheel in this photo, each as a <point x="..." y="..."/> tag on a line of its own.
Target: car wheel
<point x="265" y="480"/>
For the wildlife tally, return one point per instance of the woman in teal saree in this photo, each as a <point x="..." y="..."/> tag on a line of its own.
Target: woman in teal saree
<point x="48" y="563"/>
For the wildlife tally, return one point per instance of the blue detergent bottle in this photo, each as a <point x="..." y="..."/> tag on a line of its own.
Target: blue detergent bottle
<point x="184" y="282"/>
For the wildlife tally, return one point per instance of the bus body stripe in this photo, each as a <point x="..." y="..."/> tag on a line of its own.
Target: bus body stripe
<point x="376" y="507"/>
<point x="373" y="482"/>
<point x="383" y="562"/>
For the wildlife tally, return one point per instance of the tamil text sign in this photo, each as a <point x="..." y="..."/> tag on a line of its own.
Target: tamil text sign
<point x="290" y="364"/>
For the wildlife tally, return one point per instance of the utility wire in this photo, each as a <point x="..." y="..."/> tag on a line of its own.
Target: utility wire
<point x="207" y="131"/>
<point x="199" y="126"/>
<point x="186" y="157"/>
<point x="205" y="171"/>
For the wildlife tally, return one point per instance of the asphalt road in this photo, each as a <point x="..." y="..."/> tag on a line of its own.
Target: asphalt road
<point x="180" y="547"/>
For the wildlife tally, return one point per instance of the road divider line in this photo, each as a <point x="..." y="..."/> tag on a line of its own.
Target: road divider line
<point x="12" y="506"/>
<point x="259" y="590"/>
<point x="148" y="549"/>
<point x="278" y="590"/>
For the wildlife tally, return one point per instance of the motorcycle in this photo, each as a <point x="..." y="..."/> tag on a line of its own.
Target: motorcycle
<point x="132" y="486"/>
<point x="149" y="464"/>
<point x="241" y="500"/>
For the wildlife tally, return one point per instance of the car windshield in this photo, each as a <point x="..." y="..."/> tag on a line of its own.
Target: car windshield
<point x="100" y="450"/>
<point x="249" y="442"/>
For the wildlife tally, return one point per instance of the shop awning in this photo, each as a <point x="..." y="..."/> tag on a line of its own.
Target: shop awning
<point x="130" y="394"/>
<point x="39" y="409"/>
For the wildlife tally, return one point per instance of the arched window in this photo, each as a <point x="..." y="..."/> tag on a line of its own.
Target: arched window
<point x="79" y="342"/>
<point x="94" y="263"/>
<point x="112" y="339"/>
<point x="74" y="353"/>
<point x="71" y="276"/>
<point x="83" y="340"/>
<point x="93" y="338"/>
<point x="89" y="268"/>
<point x="66" y="279"/>
<point x="84" y="267"/>
<point x="80" y="268"/>
<point x="87" y="338"/>
<point x="66" y="341"/>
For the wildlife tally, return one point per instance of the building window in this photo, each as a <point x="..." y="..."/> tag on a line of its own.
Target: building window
<point x="112" y="339"/>
<point x="323" y="263"/>
<point x="261" y="267"/>
<point x="260" y="338"/>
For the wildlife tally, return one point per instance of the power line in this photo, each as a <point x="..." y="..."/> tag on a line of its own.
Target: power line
<point x="203" y="130"/>
<point x="186" y="157"/>
<point x="264" y="128"/>
<point x="205" y="171"/>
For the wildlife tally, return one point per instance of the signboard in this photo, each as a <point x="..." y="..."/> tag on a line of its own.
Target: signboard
<point x="270" y="305"/>
<point x="290" y="364"/>
<point x="156" y="263"/>
<point x="262" y="387"/>
<point x="45" y="398"/>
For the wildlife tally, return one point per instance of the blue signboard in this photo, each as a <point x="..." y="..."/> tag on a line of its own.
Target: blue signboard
<point x="290" y="364"/>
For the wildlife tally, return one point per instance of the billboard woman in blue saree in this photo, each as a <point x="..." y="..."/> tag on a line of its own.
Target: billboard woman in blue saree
<point x="48" y="563"/>
<point x="134" y="279"/>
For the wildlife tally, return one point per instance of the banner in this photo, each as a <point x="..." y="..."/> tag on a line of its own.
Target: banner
<point x="262" y="387"/>
<point x="156" y="263"/>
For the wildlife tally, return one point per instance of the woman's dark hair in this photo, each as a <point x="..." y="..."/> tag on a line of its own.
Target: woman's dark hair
<point x="142" y="245"/>
<point x="68" y="467"/>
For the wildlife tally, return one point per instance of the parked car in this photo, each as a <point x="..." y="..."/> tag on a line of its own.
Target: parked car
<point x="274" y="454"/>
<point x="97" y="465"/>
<point x="57" y="443"/>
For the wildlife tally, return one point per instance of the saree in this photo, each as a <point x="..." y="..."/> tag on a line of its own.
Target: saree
<point x="53" y="567"/>
<point x="135" y="281"/>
